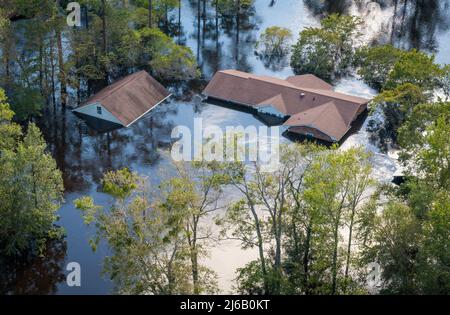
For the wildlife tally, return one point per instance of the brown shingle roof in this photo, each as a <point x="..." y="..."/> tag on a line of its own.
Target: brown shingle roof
<point x="296" y="94"/>
<point x="319" y="118"/>
<point x="130" y="97"/>
<point x="309" y="81"/>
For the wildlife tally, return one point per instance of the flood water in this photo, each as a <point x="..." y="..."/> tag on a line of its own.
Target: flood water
<point x="84" y="154"/>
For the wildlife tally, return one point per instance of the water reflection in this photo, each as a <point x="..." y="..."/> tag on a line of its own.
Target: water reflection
<point x="404" y="23"/>
<point x="34" y="274"/>
<point x="85" y="153"/>
<point x="416" y="23"/>
<point x="326" y="7"/>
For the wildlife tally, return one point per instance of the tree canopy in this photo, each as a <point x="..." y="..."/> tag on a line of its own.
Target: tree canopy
<point x="31" y="187"/>
<point x="328" y="51"/>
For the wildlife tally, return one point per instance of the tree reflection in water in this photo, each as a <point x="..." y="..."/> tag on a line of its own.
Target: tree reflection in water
<point x="34" y="274"/>
<point x="417" y="22"/>
<point x="413" y="23"/>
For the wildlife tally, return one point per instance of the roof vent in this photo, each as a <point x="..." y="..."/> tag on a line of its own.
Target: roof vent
<point x="302" y="95"/>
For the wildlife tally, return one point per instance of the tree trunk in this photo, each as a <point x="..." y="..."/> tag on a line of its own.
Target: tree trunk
<point x="306" y="258"/>
<point x="104" y="26"/>
<point x="179" y="21"/>
<point x="347" y="264"/>
<point x="62" y="73"/>
<point x="334" y="265"/>
<point x="166" y="17"/>
<point x="33" y="176"/>
<point x="204" y="20"/>
<point x="105" y="47"/>
<point x="277" y="262"/>
<point x="194" y="256"/>
<point x="238" y="25"/>
<point x="150" y="9"/>
<point x="6" y="61"/>
<point x="260" y="246"/>
<point x="393" y="21"/>
<point x="41" y="69"/>
<point x="198" y="29"/>
<point x="52" y="67"/>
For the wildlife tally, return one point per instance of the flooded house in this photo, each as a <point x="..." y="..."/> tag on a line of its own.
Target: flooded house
<point x="125" y="101"/>
<point x="304" y="104"/>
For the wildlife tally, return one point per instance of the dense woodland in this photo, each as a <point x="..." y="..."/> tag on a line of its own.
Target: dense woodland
<point x="317" y="223"/>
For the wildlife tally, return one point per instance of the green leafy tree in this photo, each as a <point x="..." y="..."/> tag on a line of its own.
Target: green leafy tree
<point x="274" y="41"/>
<point x="394" y="245"/>
<point x="411" y="239"/>
<point x="147" y="258"/>
<point x="396" y="105"/>
<point x="434" y="275"/>
<point x="10" y="132"/>
<point x="386" y="68"/>
<point x="152" y="235"/>
<point x="165" y="59"/>
<point x="422" y="139"/>
<point x="445" y="82"/>
<point x="257" y="218"/>
<point x="376" y="63"/>
<point x="335" y="187"/>
<point x="31" y="188"/>
<point x="192" y="197"/>
<point x="417" y="68"/>
<point x="328" y="51"/>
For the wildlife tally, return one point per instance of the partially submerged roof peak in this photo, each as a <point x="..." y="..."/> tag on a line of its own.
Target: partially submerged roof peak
<point x="126" y="100"/>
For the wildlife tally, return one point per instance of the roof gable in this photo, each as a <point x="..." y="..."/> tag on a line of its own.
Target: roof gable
<point x="131" y="97"/>
<point x="325" y="118"/>
<point x="91" y="110"/>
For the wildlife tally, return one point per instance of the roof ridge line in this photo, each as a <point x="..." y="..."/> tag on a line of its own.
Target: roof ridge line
<point x="339" y="112"/>
<point x="317" y="92"/>
<point x="291" y="86"/>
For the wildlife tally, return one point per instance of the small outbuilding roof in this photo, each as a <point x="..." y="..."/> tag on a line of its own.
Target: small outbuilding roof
<point x="130" y="98"/>
<point x="310" y="101"/>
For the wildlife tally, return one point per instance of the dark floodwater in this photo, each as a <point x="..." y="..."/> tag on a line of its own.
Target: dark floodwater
<point x="84" y="154"/>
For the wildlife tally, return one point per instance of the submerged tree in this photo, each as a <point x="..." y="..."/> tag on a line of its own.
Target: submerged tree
<point x="376" y="63"/>
<point x="155" y="238"/>
<point x="405" y="78"/>
<point x="164" y="58"/>
<point x="273" y="47"/>
<point x="274" y="41"/>
<point x="328" y="51"/>
<point x="386" y="68"/>
<point x="295" y="217"/>
<point x="414" y="257"/>
<point x="335" y="189"/>
<point x="395" y="105"/>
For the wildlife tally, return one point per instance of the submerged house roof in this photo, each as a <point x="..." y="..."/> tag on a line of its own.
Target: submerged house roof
<point x="127" y="99"/>
<point x="309" y="101"/>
